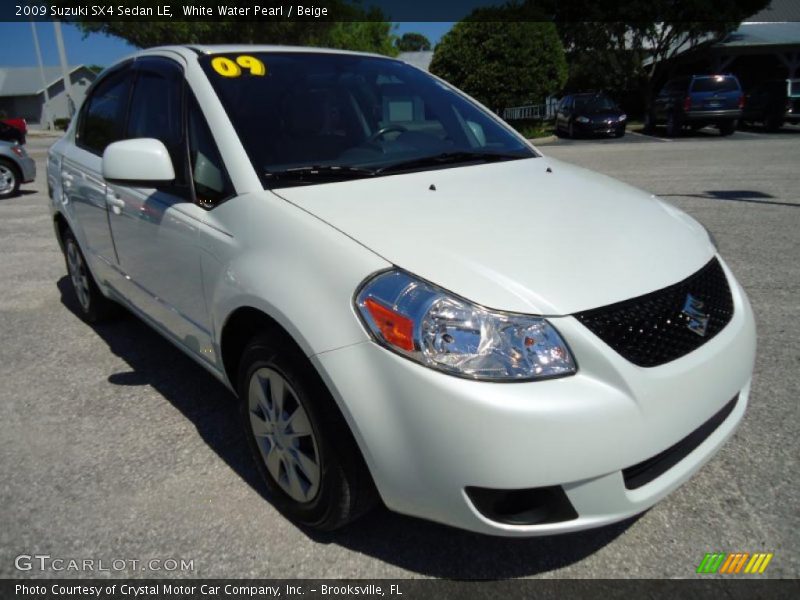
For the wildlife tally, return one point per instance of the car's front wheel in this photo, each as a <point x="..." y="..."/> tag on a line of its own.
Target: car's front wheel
<point x="9" y="179"/>
<point x="303" y="448"/>
<point x="94" y="306"/>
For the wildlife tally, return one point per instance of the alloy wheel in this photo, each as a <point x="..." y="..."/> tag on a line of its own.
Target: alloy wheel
<point x="7" y="179"/>
<point x="78" y="275"/>
<point x="284" y="435"/>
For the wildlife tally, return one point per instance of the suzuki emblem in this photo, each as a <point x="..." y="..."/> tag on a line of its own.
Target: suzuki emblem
<point x="698" y="320"/>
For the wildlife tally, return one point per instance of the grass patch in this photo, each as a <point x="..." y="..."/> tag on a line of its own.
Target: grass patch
<point x="533" y="128"/>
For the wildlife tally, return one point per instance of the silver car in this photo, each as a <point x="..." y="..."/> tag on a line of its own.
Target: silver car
<point x="16" y="167"/>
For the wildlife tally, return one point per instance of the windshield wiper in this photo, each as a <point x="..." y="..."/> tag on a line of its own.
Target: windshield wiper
<point x="447" y="158"/>
<point x="318" y="172"/>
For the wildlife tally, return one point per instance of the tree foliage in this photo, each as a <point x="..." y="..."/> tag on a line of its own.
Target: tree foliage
<point x="637" y="42"/>
<point x="361" y="29"/>
<point x="413" y="42"/>
<point x="502" y="63"/>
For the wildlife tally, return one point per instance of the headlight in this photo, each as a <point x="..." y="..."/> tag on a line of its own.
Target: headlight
<point x="441" y="331"/>
<point x="582" y="119"/>
<point x="623" y="117"/>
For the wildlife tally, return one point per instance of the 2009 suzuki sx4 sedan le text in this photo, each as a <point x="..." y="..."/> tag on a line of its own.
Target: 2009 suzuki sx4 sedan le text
<point x="410" y="302"/>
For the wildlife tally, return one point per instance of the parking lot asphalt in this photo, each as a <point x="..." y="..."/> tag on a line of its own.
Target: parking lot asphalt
<point x="117" y="446"/>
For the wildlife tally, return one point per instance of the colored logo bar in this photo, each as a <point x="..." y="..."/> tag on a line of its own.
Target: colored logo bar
<point x="731" y="563"/>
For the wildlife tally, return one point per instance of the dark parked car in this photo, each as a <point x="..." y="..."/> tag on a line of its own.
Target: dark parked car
<point x="589" y="114"/>
<point x="773" y="103"/>
<point x="9" y="133"/>
<point x="695" y="102"/>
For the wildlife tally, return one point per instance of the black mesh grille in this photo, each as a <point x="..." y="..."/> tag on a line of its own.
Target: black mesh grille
<point x="655" y="329"/>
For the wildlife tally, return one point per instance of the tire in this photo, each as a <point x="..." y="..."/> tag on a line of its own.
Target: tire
<point x="727" y="127"/>
<point x="674" y="125"/>
<point x="93" y="306"/>
<point x="571" y="131"/>
<point x="9" y="179"/>
<point x="619" y="133"/>
<point x="317" y="478"/>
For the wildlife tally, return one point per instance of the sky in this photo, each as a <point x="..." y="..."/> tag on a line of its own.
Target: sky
<point x="17" y="49"/>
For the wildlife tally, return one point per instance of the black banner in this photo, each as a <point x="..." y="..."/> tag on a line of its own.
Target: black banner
<point x="360" y="10"/>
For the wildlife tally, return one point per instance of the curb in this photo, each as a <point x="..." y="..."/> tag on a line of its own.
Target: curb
<point x="549" y="138"/>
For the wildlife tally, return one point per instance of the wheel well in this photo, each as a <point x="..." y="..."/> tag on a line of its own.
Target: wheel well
<point x="61" y="226"/>
<point x="13" y="165"/>
<point x="242" y="325"/>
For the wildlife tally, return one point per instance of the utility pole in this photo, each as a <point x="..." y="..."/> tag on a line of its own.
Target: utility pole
<point x="48" y="118"/>
<point x="62" y="55"/>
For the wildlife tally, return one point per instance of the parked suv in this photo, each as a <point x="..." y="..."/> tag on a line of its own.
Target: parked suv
<point x="408" y="300"/>
<point x="773" y="103"/>
<point x="695" y="102"/>
<point x="589" y="114"/>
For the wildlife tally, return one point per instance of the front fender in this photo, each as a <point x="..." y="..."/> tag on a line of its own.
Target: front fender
<point x="289" y="265"/>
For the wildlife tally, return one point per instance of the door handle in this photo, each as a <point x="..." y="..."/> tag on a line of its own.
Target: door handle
<point x="117" y="203"/>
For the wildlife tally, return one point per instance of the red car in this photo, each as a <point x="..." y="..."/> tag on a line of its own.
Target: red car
<point x="13" y="130"/>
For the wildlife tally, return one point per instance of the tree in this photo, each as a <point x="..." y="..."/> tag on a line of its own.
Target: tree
<point x="359" y="29"/>
<point x="639" y="41"/>
<point x="502" y="62"/>
<point x="413" y="42"/>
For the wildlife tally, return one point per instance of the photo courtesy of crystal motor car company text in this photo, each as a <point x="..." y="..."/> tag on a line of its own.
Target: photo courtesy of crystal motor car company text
<point x="411" y="303"/>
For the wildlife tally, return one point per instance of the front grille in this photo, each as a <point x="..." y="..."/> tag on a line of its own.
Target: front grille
<point x="646" y="471"/>
<point x="654" y="329"/>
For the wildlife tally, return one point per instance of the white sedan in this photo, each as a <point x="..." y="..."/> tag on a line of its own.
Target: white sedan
<point x="410" y="302"/>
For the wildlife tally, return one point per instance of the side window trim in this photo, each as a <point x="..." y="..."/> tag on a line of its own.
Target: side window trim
<point x="192" y="103"/>
<point x="158" y="64"/>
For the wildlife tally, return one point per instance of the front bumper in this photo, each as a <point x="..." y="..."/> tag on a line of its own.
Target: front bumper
<point x="610" y="127"/>
<point x="427" y="436"/>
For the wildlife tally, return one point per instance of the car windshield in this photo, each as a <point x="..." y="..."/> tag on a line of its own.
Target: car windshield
<point x="715" y="84"/>
<point x="311" y="117"/>
<point x="594" y="103"/>
<point x="794" y="87"/>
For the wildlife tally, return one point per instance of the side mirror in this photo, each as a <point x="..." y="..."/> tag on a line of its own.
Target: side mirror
<point x="141" y="162"/>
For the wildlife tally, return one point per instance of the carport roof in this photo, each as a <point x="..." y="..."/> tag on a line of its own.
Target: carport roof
<point x="763" y="34"/>
<point x="777" y="11"/>
<point x="27" y="81"/>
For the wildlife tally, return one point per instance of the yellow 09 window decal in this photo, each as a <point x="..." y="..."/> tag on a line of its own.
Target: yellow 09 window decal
<point x="228" y="68"/>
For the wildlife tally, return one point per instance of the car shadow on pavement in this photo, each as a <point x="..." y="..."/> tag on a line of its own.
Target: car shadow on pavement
<point x="410" y="543"/>
<point x="20" y="193"/>
<point x="751" y="196"/>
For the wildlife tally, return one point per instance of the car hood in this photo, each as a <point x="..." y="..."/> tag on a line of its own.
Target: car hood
<point x="536" y="236"/>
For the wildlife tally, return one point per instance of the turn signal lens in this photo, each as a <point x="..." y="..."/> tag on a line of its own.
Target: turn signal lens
<point x="396" y="329"/>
